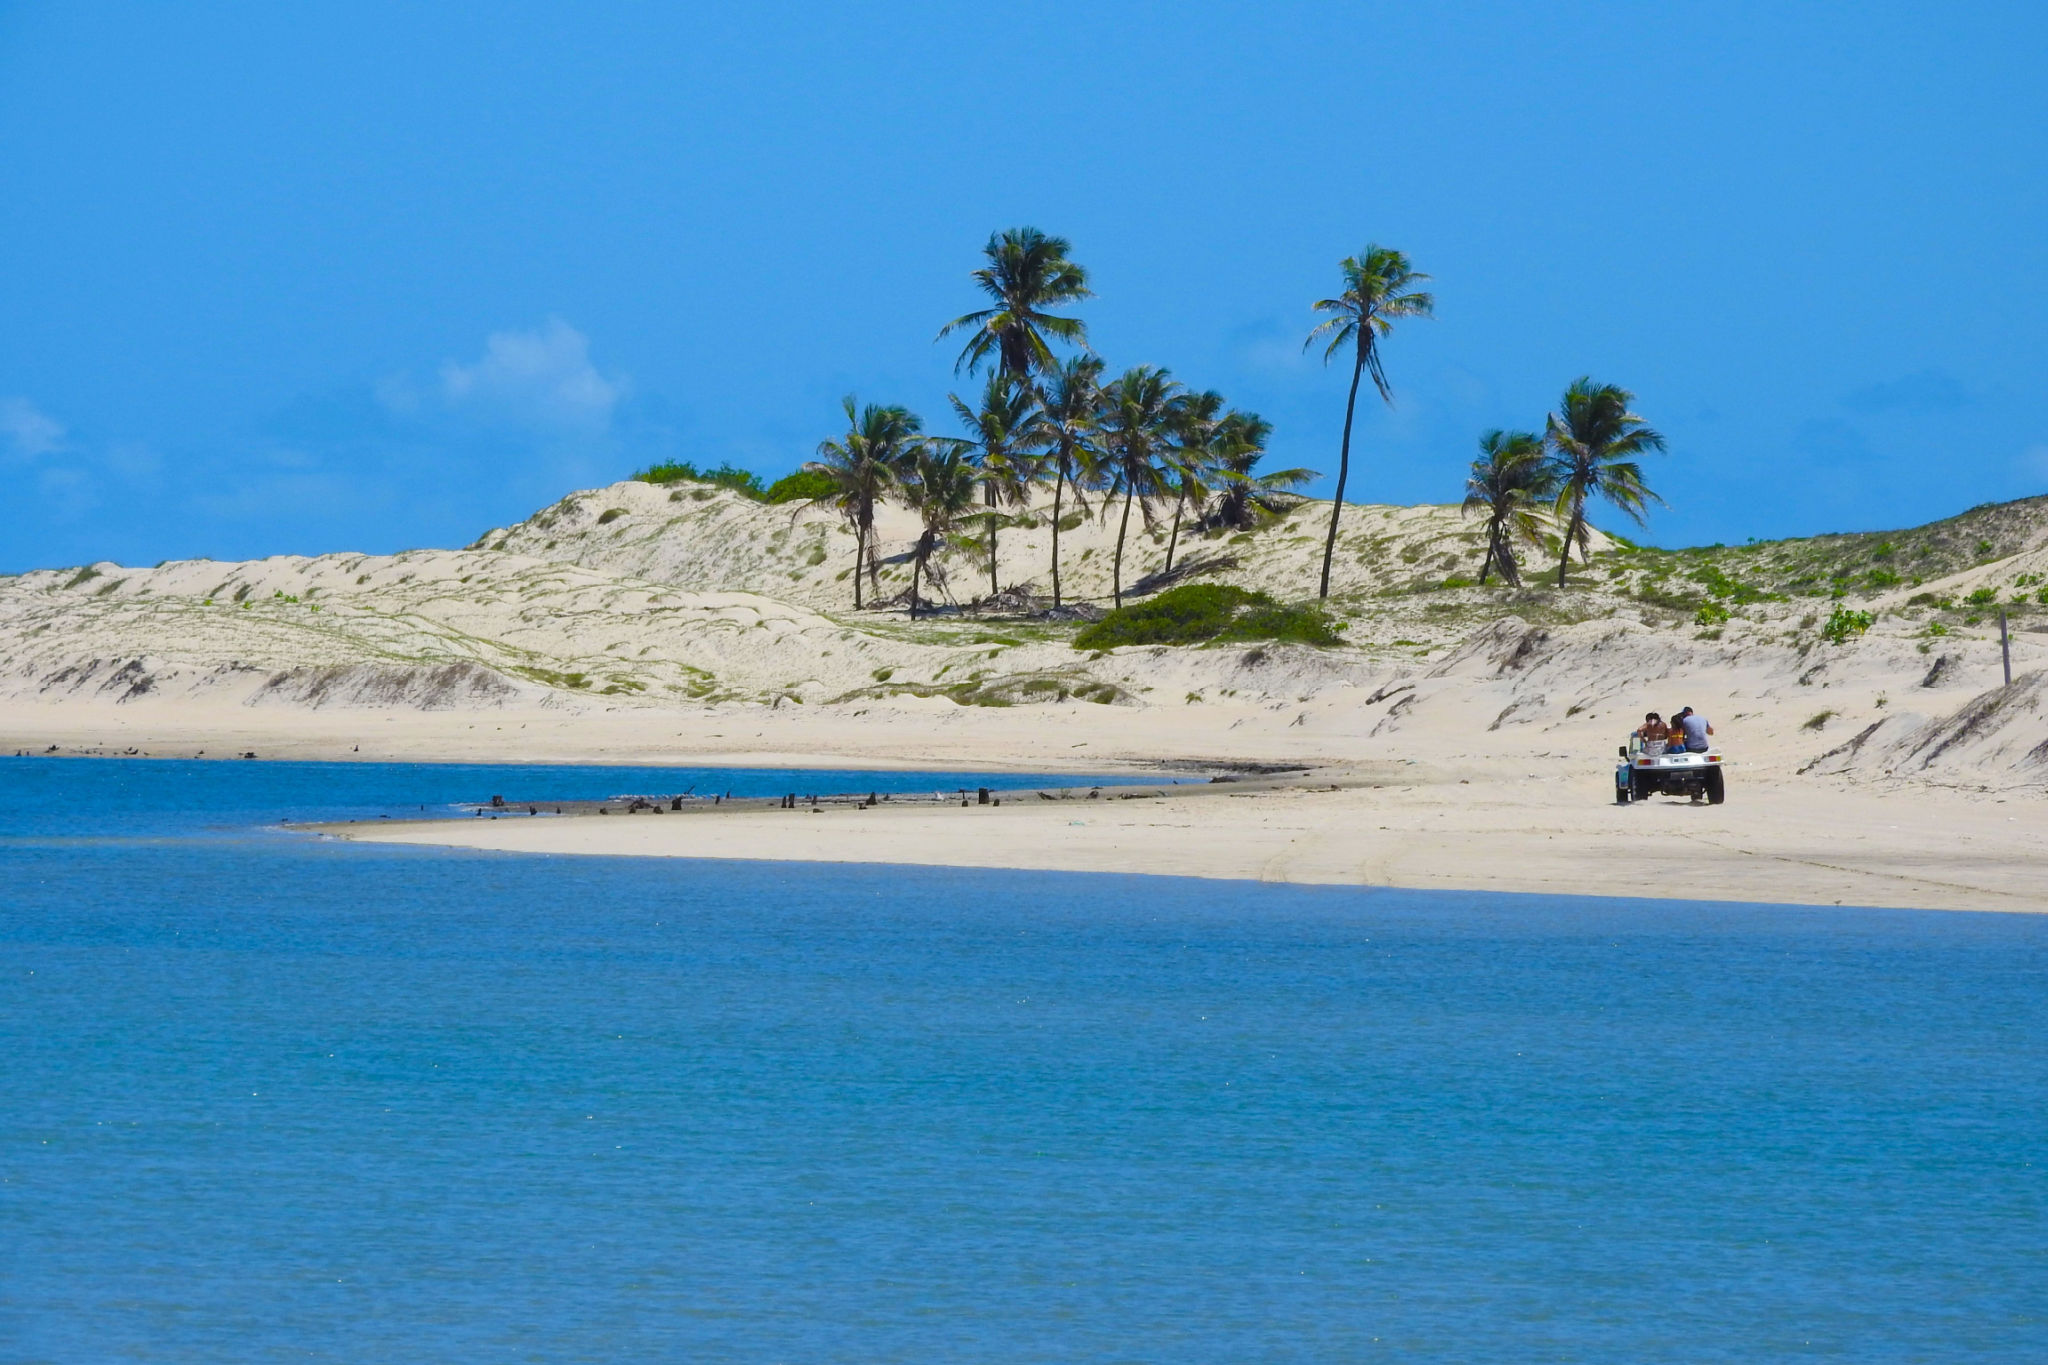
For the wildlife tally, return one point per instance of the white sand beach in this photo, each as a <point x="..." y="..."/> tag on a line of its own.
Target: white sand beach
<point x="1468" y="733"/>
<point x="1423" y="827"/>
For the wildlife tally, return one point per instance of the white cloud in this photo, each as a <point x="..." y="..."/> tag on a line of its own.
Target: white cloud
<point x="541" y="378"/>
<point x="27" y="429"/>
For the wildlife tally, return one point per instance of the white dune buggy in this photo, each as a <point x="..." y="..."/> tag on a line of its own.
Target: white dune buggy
<point x="1652" y="768"/>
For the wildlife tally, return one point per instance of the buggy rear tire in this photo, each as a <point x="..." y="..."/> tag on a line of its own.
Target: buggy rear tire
<point x="1717" y="787"/>
<point x="1622" y="793"/>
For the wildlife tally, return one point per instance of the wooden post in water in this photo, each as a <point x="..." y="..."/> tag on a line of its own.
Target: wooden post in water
<point x="2005" y="647"/>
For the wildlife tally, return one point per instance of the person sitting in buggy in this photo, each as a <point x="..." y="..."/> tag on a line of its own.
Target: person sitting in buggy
<point x="1654" y="733"/>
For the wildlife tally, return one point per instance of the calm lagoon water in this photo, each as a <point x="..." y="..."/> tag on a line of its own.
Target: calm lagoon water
<point x="271" y="1098"/>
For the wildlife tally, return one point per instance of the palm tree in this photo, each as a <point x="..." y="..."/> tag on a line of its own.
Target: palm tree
<point x="1136" y="411"/>
<point x="938" y="484"/>
<point x="999" y="445"/>
<point x="1378" y="292"/>
<point x="1188" y="463"/>
<point x="1595" y="442"/>
<point x="1065" y="429"/>
<point x="1508" y="480"/>
<point x="862" y="467"/>
<point x="1244" y="493"/>
<point x="1027" y="273"/>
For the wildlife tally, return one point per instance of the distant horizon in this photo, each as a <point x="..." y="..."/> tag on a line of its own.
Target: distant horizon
<point x="363" y="276"/>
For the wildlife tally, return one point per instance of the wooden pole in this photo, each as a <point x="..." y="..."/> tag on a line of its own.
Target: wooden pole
<point x="2005" y="646"/>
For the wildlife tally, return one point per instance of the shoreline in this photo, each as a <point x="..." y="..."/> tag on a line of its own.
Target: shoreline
<point x="1387" y="826"/>
<point x="1459" y="797"/>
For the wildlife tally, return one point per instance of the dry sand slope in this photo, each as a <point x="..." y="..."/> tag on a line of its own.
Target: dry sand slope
<point x="644" y="624"/>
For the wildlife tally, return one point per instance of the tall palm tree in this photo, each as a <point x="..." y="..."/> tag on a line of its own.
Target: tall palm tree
<point x="1136" y="412"/>
<point x="999" y="443"/>
<point x="1595" y="443"/>
<point x="862" y="467"/>
<point x="1189" y="463"/>
<point x="1243" y="493"/>
<point x="938" y="484"/>
<point x="1510" y="477"/>
<point x="1065" y="430"/>
<point x="1027" y="274"/>
<point x="1379" y="291"/>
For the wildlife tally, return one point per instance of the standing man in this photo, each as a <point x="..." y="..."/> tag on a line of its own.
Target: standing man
<point x="1694" y="727"/>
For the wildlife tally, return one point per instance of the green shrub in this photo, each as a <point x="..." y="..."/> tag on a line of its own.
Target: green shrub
<point x="610" y="515"/>
<point x="1882" y="578"/>
<point x="668" y="472"/>
<point x="806" y="485"/>
<point x="1843" y="623"/>
<point x="745" y="482"/>
<point x="1983" y="597"/>
<point x="1710" y="614"/>
<point x="1197" y="613"/>
<point x="1719" y="584"/>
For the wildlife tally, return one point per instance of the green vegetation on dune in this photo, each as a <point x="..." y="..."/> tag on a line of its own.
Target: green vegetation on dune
<point x="1205" y="613"/>
<point x="1853" y="564"/>
<point x="802" y="486"/>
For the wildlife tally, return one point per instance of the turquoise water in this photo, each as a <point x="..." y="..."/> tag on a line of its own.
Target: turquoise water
<point x="269" y="1098"/>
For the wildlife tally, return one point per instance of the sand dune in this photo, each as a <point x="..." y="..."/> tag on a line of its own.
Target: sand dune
<point x="644" y="624"/>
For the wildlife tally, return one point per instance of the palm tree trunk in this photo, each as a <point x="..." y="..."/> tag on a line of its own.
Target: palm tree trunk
<point x="1492" y="540"/>
<point x="916" y="573"/>
<point x="1174" y="539"/>
<point x="992" y="588"/>
<point x="1117" y="574"/>
<point x="1343" y="472"/>
<point x="874" y="566"/>
<point x="1059" y="486"/>
<point x="1571" y="533"/>
<point x="860" y="553"/>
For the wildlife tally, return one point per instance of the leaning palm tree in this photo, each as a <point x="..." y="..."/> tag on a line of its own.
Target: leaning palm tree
<point x="1243" y="493"/>
<point x="999" y="443"/>
<point x="1189" y="463"/>
<point x="1137" y="410"/>
<point x="1508" y="481"/>
<point x="1595" y="442"/>
<point x="1065" y="430"/>
<point x="1027" y="274"/>
<point x="938" y="483"/>
<point x="862" y="467"/>
<point x="1378" y="292"/>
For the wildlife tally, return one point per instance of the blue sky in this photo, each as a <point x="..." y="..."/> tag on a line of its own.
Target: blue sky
<point x="309" y="277"/>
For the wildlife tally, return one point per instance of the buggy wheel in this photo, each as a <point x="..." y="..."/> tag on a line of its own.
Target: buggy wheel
<point x="1717" y="787"/>
<point x="1622" y="793"/>
<point x="1638" y="788"/>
